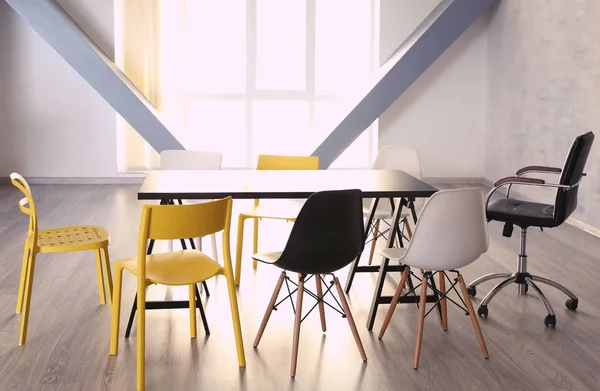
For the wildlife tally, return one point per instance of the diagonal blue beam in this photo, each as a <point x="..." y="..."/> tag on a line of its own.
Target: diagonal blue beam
<point x="437" y="32"/>
<point x="61" y="32"/>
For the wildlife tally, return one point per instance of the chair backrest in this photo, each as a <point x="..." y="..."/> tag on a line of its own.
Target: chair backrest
<point x="572" y="172"/>
<point x="180" y="159"/>
<point x="26" y="204"/>
<point x="398" y="157"/>
<point x="283" y="162"/>
<point x="171" y="222"/>
<point x="451" y="231"/>
<point x="328" y="233"/>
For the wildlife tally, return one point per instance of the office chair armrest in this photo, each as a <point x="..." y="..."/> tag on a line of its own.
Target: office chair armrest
<point x="542" y="169"/>
<point x="519" y="180"/>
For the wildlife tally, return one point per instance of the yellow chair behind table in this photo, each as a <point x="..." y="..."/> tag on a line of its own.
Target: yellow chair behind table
<point x="269" y="162"/>
<point x="184" y="267"/>
<point x="56" y="240"/>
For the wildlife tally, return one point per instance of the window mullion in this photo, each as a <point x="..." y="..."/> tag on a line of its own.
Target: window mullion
<point x="251" y="56"/>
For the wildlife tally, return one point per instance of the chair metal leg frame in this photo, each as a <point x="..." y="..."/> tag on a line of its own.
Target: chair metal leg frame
<point x="319" y="297"/>
<point x="154" y="305"/>
<point x="524" y="280"/>
<point x="469" y="311"/>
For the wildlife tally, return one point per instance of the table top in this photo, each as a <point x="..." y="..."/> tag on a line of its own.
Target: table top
<point x="248" y="184"/>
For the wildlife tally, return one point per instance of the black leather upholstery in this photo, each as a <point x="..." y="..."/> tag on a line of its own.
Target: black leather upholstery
<point x="522" y="213"/>
<point x="327" y="235"/>
<point x="525" y="214"/>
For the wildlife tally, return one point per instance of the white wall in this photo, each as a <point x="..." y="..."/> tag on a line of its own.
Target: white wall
<point x="55" y="124"/>
<point x="544" y="90"/>
<point x="442" y="114"/>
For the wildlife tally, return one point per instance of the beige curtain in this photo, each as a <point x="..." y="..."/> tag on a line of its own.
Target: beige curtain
<point x="138" y="55"/>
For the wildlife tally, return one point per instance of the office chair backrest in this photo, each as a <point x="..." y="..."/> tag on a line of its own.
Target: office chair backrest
<point x="190" y="160"/>
<point x="328" y="233"/>
<point x="566" y="200"/>
<point x="451" y="231"/>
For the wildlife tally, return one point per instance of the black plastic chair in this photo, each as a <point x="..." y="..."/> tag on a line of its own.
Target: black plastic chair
<point x="328" y="234"/>
<point x="526" y="214"/>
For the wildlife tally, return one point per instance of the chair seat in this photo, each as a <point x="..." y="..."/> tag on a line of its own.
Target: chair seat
<point x="182" y="267"/>
<point x="521" y="213"/>
<point x="394" y="254"/>
<point x="276" y="209"/>
<point x="267" y="257"/>
<point x="69" y="239"/>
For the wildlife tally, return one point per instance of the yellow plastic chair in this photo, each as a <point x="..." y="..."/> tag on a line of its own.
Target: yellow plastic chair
<point x="56" y="240"/>
<point x="269" y="162"/>
<point x="176" y="268"/>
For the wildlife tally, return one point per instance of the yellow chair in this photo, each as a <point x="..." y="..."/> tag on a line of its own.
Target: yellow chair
<point x="184" y="267"/>
<point x="56" y="240"/>
<point x="269" y="162"/>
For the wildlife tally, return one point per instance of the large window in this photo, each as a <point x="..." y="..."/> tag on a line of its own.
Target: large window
<point x="245" y="77"/>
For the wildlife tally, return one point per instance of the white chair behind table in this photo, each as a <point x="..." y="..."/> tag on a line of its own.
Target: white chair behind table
<point x="450" y="234"/>
<point x="192" y="160"/>
<point x="393" y="157"/>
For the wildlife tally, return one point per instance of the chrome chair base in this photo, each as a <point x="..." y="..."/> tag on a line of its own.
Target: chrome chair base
<point x="524" y="280"/>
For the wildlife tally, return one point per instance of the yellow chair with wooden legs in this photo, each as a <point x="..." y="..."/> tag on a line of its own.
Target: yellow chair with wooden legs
<point x="259" y="212"/>
<point x="56" y="240"/>
<point x="176" y="268"/>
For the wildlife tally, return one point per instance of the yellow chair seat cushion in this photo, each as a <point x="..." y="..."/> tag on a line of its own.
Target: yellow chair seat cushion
<point x="182" y="267"/>
<point x="68" y="239"/>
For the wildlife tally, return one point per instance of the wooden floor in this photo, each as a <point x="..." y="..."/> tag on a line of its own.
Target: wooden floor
<point x="67" y="347"/>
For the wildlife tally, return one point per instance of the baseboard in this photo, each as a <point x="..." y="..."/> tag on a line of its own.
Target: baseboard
<point x="120" y="180"/>
<point x="454" y="180"/>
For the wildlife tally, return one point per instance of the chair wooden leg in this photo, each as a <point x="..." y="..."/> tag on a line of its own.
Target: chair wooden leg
<point x="472" y="315"/>
<point x="407" y="227"/>
<point x="443" y="301"/>
<point x="421" y="322"/>
<point x="297" y="328"/>
<point x="141" y="332"/>
<point x="108" y="273"/>
<point x="192" y="300"/>
<point x="374" y="241"/>
<point x="321" y="304"/>
<point x="394" y="302"/>
<point x="350" y="319"/>
<point x="100" y="275"/>
<point x="24" y="268"/>
<point x="255" y="243"/>
<point x="238" y="252"/>
<point x="115" y="310"/>
<point x="27" y="299"/>
<point x="269" y="310"/>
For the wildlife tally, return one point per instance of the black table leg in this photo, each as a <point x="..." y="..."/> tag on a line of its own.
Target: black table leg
<point x="354" y="264"/>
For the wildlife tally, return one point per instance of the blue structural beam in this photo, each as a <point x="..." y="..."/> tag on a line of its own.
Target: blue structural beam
<point x="437" y="32"/>
<point x="61" y="32"/>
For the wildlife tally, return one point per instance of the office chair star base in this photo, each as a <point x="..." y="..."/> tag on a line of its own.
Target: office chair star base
<point x="524" y="280"/>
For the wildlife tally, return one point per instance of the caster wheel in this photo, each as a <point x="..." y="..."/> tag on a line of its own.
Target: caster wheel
<point x="572" y="304"/>
<point x="482" y="311"/>
<point x="472" y="291"/>
<point x="550" y="321"/>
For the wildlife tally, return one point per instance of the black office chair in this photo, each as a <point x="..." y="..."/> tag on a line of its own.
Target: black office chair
<point x="328" y="234"/>
<point x="530" y="214"/>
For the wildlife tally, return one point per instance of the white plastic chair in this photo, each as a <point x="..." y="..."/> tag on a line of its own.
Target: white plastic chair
<point x="451" y="233"/>
<point x="193" y="160"/>
<point x="393" y="157"/>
